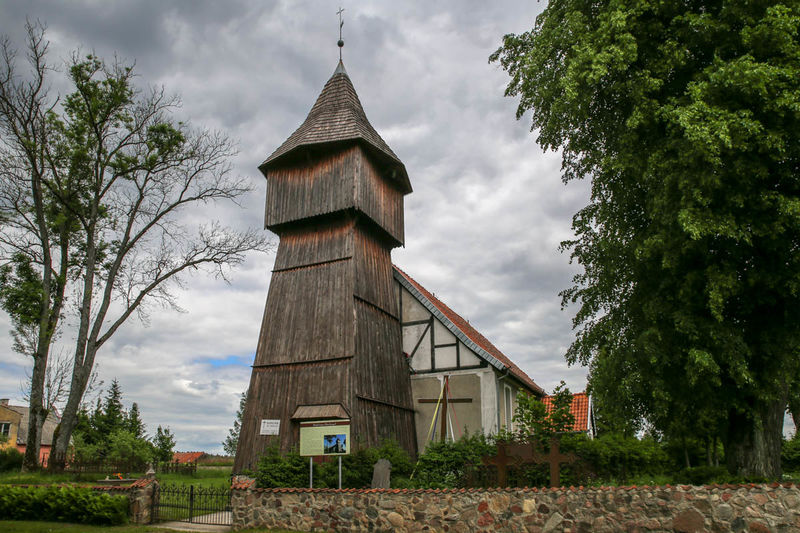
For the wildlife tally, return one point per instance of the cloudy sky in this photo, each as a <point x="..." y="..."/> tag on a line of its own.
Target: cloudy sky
<point x="482" y="225"/>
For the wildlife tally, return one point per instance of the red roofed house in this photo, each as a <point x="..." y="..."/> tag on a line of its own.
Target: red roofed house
<point x="187" y="457"/>
<point x="581" y="409"/>
<point x="438" y="343"/>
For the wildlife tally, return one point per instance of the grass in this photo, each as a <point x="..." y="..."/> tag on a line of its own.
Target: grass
<point x="206" y="476"/>
<point x="15" y="526"/>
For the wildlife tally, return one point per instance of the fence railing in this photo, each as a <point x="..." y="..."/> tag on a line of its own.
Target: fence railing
<point x="188" y="469"/>
<point x="105" y="467"/>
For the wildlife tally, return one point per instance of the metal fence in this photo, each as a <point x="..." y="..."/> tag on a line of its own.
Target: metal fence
<point x="197" y="505"/>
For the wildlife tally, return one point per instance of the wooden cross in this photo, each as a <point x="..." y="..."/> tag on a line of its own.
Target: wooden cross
<point x="501" y="461"/>
<point x="555" y="458"/>
<point x="445" y="402"/>
<point x="341" y="23"/>
<point x="526" y="453"/>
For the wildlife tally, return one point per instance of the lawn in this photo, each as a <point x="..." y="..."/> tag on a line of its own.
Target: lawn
<point x="46" y="527"/>
<point x="206" y="476"/>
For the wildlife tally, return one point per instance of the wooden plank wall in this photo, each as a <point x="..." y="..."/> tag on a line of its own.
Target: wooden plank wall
<point x="379" y="198"/>
<point x="373" y="279"/>
<point x="316" y="188"/>
<point x="309" y="314"/>
<point x="276" y="391"/>
<point x="315" y="243"/>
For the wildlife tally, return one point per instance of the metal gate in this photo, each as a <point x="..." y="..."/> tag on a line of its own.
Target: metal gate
<point x="197" y="505"/>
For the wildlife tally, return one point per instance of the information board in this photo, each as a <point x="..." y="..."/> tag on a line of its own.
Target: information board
<point x="325" y="437"/>
<point x="270" y="427"/>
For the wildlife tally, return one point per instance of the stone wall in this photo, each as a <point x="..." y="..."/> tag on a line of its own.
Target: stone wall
<point x="752" y="508"/>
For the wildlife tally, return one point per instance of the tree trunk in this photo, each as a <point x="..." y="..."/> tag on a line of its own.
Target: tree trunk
<point x="753" y="441"/>
<point x="69" y="419"/>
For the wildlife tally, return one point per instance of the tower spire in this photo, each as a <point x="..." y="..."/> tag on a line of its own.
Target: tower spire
<point x="341" y="23"/>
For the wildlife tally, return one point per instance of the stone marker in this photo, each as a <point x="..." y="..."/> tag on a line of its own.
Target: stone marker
<point x="382" y="474"/>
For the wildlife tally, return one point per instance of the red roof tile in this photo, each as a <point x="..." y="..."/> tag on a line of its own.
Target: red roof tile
<point x="579" y="409"/>
<point x="473" y="334"/>
<point x="187" y="457"/>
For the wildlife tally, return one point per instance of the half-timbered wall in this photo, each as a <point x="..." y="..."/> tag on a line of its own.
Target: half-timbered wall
<point x="429" y="344"/>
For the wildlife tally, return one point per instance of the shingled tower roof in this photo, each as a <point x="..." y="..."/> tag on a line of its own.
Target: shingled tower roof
<point x="336" y="117"/>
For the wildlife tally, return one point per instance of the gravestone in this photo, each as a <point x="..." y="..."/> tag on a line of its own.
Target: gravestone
<point x="382" y="474"/>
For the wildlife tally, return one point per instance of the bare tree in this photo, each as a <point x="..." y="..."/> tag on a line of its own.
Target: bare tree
<point x="35" y="239"/>
<point x="139" y="171"/>
<point x="100" y="200"/>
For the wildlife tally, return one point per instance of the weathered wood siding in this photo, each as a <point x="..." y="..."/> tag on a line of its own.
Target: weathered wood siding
<point x="276" y="391"/>
<point x="331" y="328"/>
<point x="379" y="198"/>
<point x="373" y="278"/>
<point x="317" y="188"/>
<point x="309" y="314"/>
<point x="315" y="243"/>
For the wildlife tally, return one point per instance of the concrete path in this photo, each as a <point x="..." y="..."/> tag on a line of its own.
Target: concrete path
<point x="223" y="516"/>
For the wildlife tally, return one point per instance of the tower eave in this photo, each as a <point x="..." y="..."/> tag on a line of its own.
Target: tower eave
<point x="396" y="169"/>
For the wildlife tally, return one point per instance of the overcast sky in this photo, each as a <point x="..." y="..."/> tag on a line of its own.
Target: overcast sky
<point x="483" y="224"/>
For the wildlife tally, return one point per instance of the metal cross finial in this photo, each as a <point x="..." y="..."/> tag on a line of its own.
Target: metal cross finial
<point x="341" y="23"/>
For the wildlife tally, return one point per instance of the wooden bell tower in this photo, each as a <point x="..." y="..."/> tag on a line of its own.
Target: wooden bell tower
<point x="330" y="344"/>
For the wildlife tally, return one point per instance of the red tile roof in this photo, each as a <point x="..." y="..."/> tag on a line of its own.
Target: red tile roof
<point x="473" y="334"/>
<point x="187" y="457"/>
<point x="579" y="409"/>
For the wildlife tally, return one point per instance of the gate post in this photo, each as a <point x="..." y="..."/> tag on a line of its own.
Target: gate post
<point x="143" y="495"/>
<point x="191" y="502"/>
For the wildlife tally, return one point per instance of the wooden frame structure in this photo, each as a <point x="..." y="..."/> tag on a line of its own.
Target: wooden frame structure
<point x="331" y="342"/>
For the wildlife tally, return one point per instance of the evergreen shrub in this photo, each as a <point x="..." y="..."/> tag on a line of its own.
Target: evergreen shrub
<point x="63" y="504"/>
<point x="10" y="459"/>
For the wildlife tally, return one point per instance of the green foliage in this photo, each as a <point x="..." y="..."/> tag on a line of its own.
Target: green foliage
<point x="445" y="464"/>
<point x="790" y="454"/>
<point x="10" y="459"/>
<point x="125" y="447"/>
<point x="276" y="470"/>
<point x="533" y="421"/>
<point x="110" y="433"/>
<point x="358" y="466"/>
<point x="684" y="116"/>
<point x="62" y="504"/>
<point x="232" y="440"/>
<point x="617" y="457"/>
<point x="163" y="445"/>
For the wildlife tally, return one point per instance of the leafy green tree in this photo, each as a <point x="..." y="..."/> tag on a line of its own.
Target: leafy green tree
<point x="163" y="444"/>
<point x="232" y="440"/>
<point x="125" y="447"/>
<point x="684" y="117"/>
<point x="534" y="421"/>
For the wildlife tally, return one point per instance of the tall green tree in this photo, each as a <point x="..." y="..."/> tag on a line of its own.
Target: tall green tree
<point x="685" y="116"/>
<point x="163" y="444"/>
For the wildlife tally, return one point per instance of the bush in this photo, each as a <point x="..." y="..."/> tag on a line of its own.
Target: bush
<point x="62" y="504"/>
<point x="446" y="464"/>
<point x="790" y="454"/>
<point x="616" y="457"/>
<point x="357" y="467"/>
<point x="276" y="470"/>
<point x="10" y="459"/>
<point x="703" y="475"/>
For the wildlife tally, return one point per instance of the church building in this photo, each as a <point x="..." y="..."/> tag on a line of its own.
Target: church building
<point x="346" y="336"/>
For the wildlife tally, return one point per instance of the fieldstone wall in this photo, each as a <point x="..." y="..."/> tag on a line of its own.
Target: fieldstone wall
<point x="141" y="495"/>
<point x="751" y="508"/>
